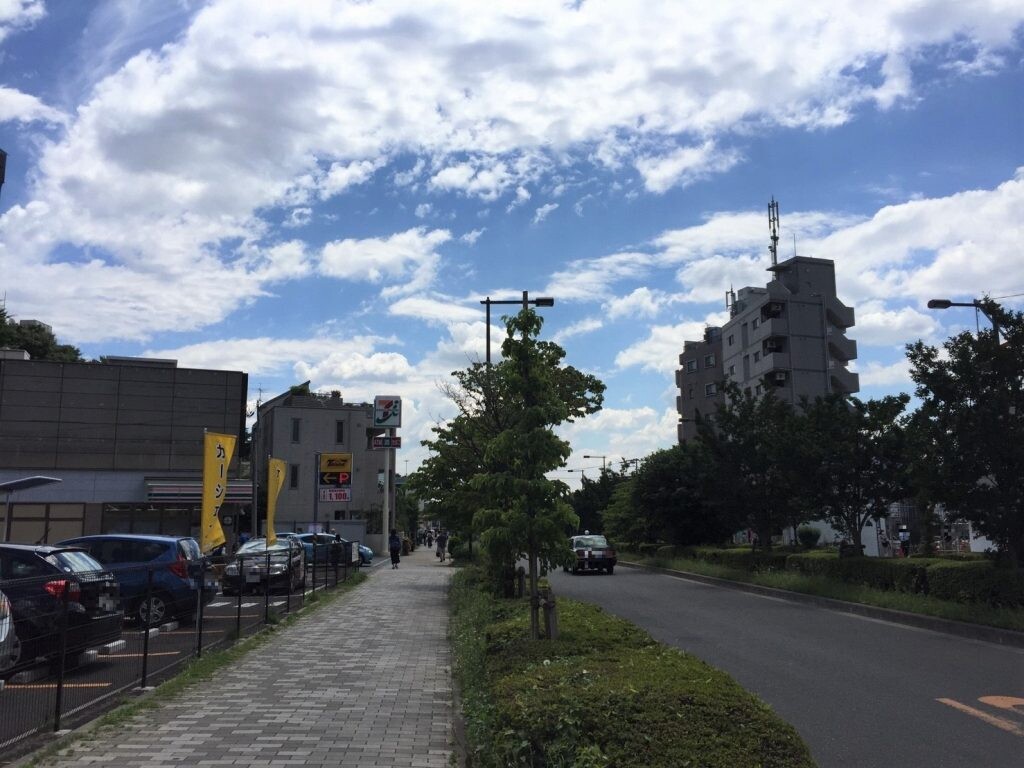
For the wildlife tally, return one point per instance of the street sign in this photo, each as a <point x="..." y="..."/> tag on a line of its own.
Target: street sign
<point x="387" y="411"/>
<point x="335" y="494"/>
<point x="387" y="442"/>
<point x="336" y="478"/>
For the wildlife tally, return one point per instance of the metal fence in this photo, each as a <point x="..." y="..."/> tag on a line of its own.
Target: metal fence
<point x="70" y="645"/>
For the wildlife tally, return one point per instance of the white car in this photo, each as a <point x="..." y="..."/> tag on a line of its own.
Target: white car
<point x="10" y="646"/>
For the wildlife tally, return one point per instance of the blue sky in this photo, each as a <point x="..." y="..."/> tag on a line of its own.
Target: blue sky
<point x="326" y="190"/>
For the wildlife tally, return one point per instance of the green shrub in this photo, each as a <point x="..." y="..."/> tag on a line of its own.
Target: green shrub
<point x="742" y="558"/>
<point x="976" y="582"/>
<point x="808" y="536"/>
<point x="603" y="694"/>
<point x="647" y="549"/>
<point x="666" y="552"/>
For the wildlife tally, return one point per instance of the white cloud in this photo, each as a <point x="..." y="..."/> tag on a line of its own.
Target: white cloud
<point x="522" y="195"/>
<point x="434" y="310"/>
<point x="411" y="256"/>
<point x="642" y="302"/>
<point x="586" y="325"/>
<point x="895" y="376"/>
<point x="590" y="279"/>
<point x="472" y="236"/>
<point x="878" y="325"/>
<point x="684" y="166"/>
<point x="341" y="176"/>
<point x="15" y="105"/>
<point x="422" y="210"/>
<point x="659" y="352"/>
<point x="17" y="14"/>
<point x="299" y="217"/>
<point x="543" y="212"/>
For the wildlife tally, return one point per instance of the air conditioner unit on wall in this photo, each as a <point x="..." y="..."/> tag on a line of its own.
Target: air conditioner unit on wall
<point x="779" y="377"/>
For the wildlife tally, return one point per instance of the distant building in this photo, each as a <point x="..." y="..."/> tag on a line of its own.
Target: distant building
<point x="294" y="427"/>
<point x="788" y="337"/>
<point x="125" y="437"/>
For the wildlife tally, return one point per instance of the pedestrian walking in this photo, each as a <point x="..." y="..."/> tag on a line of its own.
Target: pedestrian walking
<point x="394" y="547"/>
<point x="442" y="542"/>
<point x="430" y="539"/>
<point x="904" y="537"/>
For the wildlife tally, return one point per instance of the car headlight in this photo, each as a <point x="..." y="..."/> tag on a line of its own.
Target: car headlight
<point x="277" y="568"/>
<point x="231" y="570"/>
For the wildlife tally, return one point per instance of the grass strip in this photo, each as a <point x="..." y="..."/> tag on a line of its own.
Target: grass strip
<point x="604" y="694"/>
<point x="972" y="613"/>
<point x="196" y="671"/>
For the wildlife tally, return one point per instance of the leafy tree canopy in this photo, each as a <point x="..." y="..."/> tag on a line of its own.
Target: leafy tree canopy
<point x="40" y="343"/>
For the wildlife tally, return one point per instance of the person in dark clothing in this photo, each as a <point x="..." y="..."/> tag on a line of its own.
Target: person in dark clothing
<point x="442" y="542"/>
<point x="394" y="547"/>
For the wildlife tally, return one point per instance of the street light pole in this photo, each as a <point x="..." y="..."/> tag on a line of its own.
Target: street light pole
<point x="978" y="305"/>
<point x="604" y="460"/>
<point x="526" y="301"/>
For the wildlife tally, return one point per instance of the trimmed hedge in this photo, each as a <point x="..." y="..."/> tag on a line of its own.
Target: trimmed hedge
<point x="604" y="694"/>
<point x="975" y="582"/>
<point x="959" y="580"/>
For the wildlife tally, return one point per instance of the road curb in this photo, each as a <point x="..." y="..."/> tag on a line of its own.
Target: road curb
<point x="995" y="635"/>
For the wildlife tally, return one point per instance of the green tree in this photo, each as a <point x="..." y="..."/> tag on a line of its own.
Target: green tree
<point x="854" y="453"/>
<point x="671" y="493"/>
<point x="972" y="419"/>
<point x="527" y="512"/>
<point x="622" y="519"/>
<point x="40" y="343"/>
<point x="750" y="440"/>
<point x="592" y="498"/>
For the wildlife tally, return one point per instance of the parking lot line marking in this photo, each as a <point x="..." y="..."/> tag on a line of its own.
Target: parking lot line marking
<point x="998" y="722"/>
<point x="218" y="605"/>
<point x="232" y="617"/>
<point x="249" y="605"/>
<point x="139" y="655"/>
<point x="51" y="686"/>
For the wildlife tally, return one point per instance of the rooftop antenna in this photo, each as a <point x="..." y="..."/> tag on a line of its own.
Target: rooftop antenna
<point x="773" y="230"/>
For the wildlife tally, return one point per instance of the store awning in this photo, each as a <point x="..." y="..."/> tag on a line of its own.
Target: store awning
<point x="190" y="490"/>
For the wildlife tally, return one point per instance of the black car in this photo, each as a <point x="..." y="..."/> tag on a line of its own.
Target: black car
<point x="593" y="553"/>
<point x="43" y="583"/>
<point x="247" y="570"/>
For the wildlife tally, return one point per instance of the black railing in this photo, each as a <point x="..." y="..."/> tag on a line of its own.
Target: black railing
<point x="75" y="643"/>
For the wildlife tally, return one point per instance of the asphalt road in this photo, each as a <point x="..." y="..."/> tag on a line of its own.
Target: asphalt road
<point x="861" y="692"/>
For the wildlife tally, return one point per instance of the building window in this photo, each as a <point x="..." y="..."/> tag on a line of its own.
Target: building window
<point x="296" y="430"/>
<point x="754" y="324"/>
<point x="709" y="361"/>
<point x="757" y="390"/>
<point x="691" y="393"/>
<point x="339" y="431"/>
<point x="732" y="370"/>
<point x="731" y="337"/>
<point x="293" y="476"/>
<point x="710" y="389"/>
<point x="757" y="356"/>
<point x="691" y="366"/>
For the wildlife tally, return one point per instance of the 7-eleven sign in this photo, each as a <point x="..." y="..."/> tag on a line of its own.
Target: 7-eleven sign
<point x="387" y="411"/>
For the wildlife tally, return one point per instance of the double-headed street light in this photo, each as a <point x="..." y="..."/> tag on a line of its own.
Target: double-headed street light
<point x="526" y="301"/>
<point x="604" y="459"/>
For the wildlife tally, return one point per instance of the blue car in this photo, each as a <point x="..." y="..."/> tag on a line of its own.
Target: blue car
<point x="181" y="574"/>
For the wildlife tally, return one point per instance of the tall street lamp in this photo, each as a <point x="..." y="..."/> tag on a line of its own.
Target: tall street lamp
<point x="21" y="484"/>
<point x="978" y="305"/>
<point x="3" y="167"/>
<point x="604" y="459"/>
<point x="526" y="301"/>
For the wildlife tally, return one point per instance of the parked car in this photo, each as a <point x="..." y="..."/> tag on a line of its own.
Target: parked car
<point x="37" y="580"/>
<point x="593" y="553"/>
<point x="248" y="569"/>
<point x="180" y="573"/>
<point x="10" y="645"/>
<point x="365" y="553"/>
<point x="315" y="546"/>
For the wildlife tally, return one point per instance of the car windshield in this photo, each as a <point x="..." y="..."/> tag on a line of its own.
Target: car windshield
<point x="73" y="561"/>
<point x="590" y="541"/>
<point x="191" y="549"/>
<point x="260" y="545"/>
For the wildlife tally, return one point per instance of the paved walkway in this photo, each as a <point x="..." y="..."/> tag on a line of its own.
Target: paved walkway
<point x="365" y="681"/>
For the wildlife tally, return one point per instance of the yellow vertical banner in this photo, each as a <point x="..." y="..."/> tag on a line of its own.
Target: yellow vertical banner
<point x="275" y="481"/>
<point x="217" y="452"/>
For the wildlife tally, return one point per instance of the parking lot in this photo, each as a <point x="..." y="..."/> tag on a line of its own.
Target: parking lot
<point x="31" y="699"/>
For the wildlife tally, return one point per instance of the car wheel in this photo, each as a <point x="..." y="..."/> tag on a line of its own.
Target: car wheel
<point x="11" y="653"/>
<point x="611" y="569"/>
<point x="153" y="614"/>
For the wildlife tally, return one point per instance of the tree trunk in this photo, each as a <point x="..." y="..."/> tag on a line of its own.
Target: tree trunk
<point x="856" y="536"/>
<point x="534" y="598"/>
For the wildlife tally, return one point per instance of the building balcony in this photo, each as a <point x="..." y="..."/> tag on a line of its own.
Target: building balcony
<point x="843" y="381"/>
<point x="775" y="361"/>
<point x="838" y="313"/>
<point x="841" y="347"/>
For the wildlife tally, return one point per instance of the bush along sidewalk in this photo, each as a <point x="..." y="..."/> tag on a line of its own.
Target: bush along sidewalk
<point x="604" y="694"/>
<point x="974" y="591"/>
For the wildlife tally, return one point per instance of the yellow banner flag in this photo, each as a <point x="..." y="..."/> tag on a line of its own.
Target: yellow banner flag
<point x="217" y="453"/>
<point x="275" y="481"/>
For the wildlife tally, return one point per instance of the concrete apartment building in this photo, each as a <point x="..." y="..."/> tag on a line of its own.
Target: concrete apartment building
<point x="298" y="424"/>
<point x="788" y="337"/>
<point x="124" y="437"/>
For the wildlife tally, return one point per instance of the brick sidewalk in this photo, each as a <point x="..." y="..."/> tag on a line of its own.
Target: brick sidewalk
<point x="363" y="682"/>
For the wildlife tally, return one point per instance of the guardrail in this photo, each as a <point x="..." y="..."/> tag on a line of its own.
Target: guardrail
<point x="69" y="644"/>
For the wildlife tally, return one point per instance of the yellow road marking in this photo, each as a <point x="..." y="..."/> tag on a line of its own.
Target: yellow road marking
<point x="998" y="722"/>
<point x="1011" y="703"/>
<point x="51" y="686"/>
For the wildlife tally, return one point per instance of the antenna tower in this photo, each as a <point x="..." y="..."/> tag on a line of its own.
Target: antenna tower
<point x="773" y="230"/>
